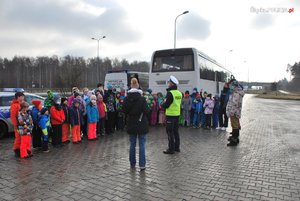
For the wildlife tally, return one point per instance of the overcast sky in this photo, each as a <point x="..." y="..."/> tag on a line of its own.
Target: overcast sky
<point x="263" y="42"/>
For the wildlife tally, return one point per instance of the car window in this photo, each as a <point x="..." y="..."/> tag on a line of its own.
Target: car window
<point x="6" y="100"/>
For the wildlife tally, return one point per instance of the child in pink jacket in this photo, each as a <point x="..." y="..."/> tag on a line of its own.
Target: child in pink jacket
<point x="209" y="107"/>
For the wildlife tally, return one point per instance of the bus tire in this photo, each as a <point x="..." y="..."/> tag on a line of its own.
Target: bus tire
<point x="3" y="130"/>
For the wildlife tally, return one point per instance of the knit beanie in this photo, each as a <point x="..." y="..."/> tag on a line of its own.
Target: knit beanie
<point x="36" y="103"/>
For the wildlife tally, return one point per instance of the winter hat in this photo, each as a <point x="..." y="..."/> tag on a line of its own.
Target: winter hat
<point x="195" y="89"/>
<point x="43" y="110"/>
<point x="150" y="91"/>
<point x="186" y="92"/>
<point x="134" y="83"/>
<point x="76" y="101"/>
<point x="49" y="94"/>
<point x="93" y="97"/>
<point x="209" y="95"/>
<point x="36" y="103"/>
<point x="56" y="98"/>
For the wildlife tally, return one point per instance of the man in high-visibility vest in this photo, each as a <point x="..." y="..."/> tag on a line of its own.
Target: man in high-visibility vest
<point x="172" y="107"/>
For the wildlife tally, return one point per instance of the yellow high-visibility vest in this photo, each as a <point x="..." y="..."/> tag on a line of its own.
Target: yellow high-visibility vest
<point x="174" y="108"/>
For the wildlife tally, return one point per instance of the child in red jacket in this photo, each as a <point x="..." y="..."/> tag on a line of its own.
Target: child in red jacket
<point x="57" y="117"/>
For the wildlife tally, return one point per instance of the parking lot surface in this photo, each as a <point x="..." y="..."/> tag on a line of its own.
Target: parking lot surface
<point x="264" y="166"/>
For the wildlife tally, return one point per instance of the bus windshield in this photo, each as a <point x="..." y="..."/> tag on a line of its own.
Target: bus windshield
<point x="168" y="60"/>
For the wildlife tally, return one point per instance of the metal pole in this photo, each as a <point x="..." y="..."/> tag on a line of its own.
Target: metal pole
<point x="185" y="12"/>
<point x="98" y="49"/>
<point x="98" y="62"/>
<point x="248" y="75"/>
<point x="97" y="68"/>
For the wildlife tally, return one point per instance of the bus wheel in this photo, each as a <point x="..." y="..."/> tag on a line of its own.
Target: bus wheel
<point x="3" y="129"/>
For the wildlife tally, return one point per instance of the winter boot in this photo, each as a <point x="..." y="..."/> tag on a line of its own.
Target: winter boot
<point x="234" y="139"/>
<point x="237" y="135"/>
<point x="17" y="153"/>
<point x="232" y="142"/>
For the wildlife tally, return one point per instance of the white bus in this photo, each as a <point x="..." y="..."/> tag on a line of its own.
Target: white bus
<point x="120" y="80"/>
<point x="191" y="67"/>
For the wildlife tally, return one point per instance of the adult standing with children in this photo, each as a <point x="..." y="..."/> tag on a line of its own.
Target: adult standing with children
<point x="136" y="108"/>
<point x="172" y="106"/>
<point x="233" y="111"/>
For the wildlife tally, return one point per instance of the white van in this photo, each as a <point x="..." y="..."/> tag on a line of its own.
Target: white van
<point x="120" y="80"/>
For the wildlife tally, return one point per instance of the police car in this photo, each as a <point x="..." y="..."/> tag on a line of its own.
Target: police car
<point x="6" y="125"/>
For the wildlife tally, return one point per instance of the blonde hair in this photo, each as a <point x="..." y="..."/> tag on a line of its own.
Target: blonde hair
<point x="134" y="83"/>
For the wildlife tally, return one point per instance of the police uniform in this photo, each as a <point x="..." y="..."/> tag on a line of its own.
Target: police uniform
<point x="172" y="106"/>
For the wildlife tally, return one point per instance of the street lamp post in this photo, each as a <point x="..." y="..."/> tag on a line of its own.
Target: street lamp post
<point x="98" y="39"/>
<point x="185" y="12"/>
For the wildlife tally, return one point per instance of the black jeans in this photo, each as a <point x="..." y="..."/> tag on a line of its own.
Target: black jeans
<point x="84" y="126"/>
<point x="57" y="135"/>
<point x="110" y="123"/>
<point x="173" y="134"/>
<point x="36" y="136"/>
<point x="100" y="126"/>
<point x="223" y="122"/>
<point x="208" y="120"/>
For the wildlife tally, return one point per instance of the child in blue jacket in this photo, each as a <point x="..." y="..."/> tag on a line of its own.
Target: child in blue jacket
<point x="44" y="124"/>
<point x="92" y="118"/>
<point x="198" y="109"/>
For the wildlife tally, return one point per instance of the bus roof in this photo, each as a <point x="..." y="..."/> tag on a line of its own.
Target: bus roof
<point x="126" y="71"/>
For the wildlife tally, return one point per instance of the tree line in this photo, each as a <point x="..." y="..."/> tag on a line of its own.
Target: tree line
<point x="292" y="85"/>
<point x="64" y="72"/>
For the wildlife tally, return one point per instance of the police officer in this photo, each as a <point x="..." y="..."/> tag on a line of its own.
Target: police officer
<point x="172" y="107"/>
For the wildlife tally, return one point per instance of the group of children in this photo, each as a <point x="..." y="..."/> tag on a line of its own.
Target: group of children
<point x="99" y="112"/>
<point x="198" y="109"/>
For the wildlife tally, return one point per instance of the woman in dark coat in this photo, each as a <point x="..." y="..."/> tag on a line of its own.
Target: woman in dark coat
<point x="136" y="109"/>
